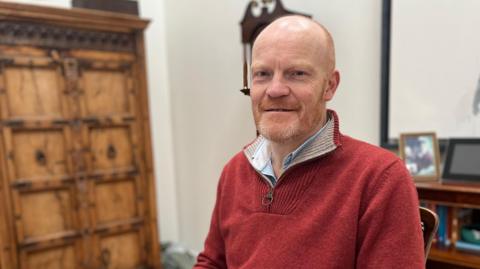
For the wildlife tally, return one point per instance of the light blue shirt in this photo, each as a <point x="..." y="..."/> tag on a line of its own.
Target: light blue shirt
<point x="262" y="158"/>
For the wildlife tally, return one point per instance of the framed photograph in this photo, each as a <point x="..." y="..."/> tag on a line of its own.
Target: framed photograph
<point x="420" y="152"/>
<point x="430" y="69"/>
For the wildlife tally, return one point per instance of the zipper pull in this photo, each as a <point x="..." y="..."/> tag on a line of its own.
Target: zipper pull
<point x="268" y="198"/>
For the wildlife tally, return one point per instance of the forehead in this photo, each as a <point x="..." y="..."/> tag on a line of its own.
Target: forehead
<point x="294" y="48"/>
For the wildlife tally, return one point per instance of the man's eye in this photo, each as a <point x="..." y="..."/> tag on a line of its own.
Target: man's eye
<point x="261" y="74"/>
<point x="298" y="73"/>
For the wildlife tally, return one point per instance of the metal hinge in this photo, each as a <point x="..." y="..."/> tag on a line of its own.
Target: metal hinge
<point x="21" y="184"/>
<point x="70" y="68"/>
<point x="14" y="123"/>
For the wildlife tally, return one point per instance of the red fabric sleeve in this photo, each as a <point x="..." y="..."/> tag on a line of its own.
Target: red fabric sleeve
<point x="390" y="234"/>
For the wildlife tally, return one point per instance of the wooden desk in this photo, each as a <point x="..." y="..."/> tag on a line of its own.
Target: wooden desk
<point x="454" y="196"/>
<point x="460" y="195"/>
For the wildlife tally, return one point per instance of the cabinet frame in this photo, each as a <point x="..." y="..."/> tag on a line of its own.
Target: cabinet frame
<point x="120" y="33"/>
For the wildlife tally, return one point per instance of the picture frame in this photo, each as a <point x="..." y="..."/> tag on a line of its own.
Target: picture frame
<point x="462" y="164"/>
<point x="421" y="155"/>
<point x="415" y="69"/>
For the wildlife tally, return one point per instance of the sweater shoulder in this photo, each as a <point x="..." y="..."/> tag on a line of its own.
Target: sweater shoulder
<point x="383" y="171"/>
<point x="238" y="159"/>
<point x="361" y="150"/>
<point x="238" y="164"/>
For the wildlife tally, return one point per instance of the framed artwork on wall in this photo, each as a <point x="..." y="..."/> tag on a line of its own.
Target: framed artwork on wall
<point x="421" y="155"/>
<point x="430" y="69"/>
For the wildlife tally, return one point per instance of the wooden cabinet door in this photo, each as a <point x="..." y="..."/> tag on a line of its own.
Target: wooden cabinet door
<point x="114" y="169"/>
<point x="40" y="176"/>
<point x="116" y="196"/>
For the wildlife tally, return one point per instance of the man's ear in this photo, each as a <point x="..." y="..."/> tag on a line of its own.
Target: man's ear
<point x="332" y="85"/>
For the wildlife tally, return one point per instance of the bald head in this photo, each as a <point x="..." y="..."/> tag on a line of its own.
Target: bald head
<point x="299" y="29"/>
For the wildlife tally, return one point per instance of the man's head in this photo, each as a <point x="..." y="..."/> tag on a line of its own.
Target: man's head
<point x="293" y="76"/>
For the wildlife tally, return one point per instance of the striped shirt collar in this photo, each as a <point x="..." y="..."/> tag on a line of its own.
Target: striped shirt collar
<point x="324" y="141"/>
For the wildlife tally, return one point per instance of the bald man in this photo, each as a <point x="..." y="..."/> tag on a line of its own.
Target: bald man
<point x="302" y="194"/>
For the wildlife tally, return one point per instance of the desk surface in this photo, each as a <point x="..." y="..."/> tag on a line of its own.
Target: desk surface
<point x="449" y="187"/>
<point x="463" y="195"/>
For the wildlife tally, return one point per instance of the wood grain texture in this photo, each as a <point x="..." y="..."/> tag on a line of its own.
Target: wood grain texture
<point x="9" y="252"/>
<point x="33" y="90"/>
<point x="454" y="196"/>
<point x="39" y="153"/>
<point x="146" y="148"/>
<point x="77" y="17"/>
<point x="56" y="258"/>
<point x="47" y="212"/>
<point x="105" y="93"/>
<point x="121" y="251"/>
<point x="3" y="228"/>
<point x="115" y="201"/>
<point x="75" y="148"/>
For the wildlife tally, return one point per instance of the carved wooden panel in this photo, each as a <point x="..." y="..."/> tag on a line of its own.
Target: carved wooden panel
<point x="121" y="251"/>
<point x="62" y="257"/>
<point x="50" y="36"/>
<point x="115" y="201"/>
<point x="107" y="89"/>
<point x="118" y="218"/>
<point x="46" y="213"/>
<point x="39" y="153"/>
<point x="111" y="149"/>
<point x="105" y="93"/>
<point x="32" y="88"/>
<point x="44" y="197"/>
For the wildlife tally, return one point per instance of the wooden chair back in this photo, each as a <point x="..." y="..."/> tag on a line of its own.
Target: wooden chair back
<point x="429" y="221"/>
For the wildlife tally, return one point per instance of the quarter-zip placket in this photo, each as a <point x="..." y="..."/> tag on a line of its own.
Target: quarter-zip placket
<point x="267" y="198"/>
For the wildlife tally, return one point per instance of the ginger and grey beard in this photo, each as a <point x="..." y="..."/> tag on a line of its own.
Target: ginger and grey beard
<point x="283" y="135"/>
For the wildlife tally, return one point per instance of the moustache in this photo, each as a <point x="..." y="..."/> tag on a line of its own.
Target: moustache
<point x="283" y="106"/>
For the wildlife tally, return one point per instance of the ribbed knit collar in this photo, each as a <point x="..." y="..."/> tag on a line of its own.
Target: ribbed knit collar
<point x="326" y="142"/>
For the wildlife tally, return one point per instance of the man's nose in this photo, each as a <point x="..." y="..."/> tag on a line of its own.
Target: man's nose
<point x="278" y="87"/>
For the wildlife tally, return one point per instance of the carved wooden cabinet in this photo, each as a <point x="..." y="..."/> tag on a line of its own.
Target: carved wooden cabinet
<point x="76" y="178"/>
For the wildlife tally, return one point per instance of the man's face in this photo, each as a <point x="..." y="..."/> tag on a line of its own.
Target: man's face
<point x="290" y="87"/>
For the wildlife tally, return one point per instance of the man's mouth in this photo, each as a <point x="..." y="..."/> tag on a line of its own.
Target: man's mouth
<point x="278" y="110"/>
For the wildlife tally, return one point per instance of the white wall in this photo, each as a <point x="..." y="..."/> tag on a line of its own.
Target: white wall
<point x="211" y="120"/>
<point x="161" y="119"/>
